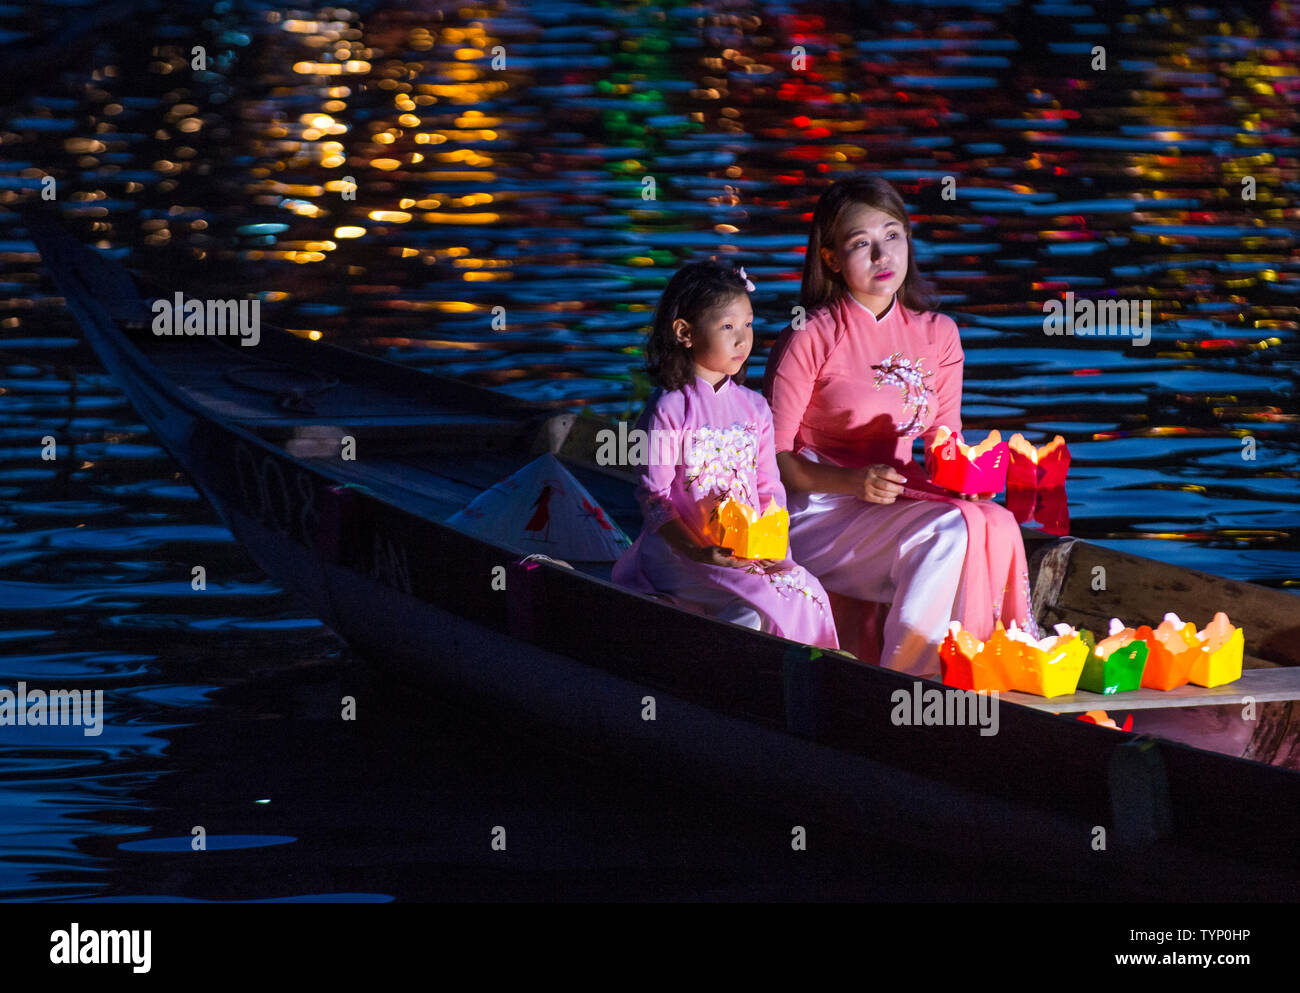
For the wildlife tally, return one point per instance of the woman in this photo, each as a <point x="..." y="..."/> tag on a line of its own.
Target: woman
<point x="871" y="369"/>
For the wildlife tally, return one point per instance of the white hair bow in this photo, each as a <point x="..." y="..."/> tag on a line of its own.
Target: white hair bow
<point x="749" y="285"/>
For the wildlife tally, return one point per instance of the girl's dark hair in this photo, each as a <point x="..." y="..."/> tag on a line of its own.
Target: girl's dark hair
<point x="695" y="290"/>
<point x="822" y="285"/>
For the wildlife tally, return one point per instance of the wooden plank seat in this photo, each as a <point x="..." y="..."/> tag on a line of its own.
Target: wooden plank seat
<point x="427" y="492"/>
<point x="1278" y="683"/>
<point x="453" y="431"/>
<point x="323" y="410"/>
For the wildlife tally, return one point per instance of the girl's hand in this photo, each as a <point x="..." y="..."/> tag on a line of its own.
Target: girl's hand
<point x="717" y="555"/>
<point x="877" y="483"/>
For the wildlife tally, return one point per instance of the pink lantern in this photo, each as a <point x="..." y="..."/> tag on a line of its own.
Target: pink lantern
<point x="966" y="469"/>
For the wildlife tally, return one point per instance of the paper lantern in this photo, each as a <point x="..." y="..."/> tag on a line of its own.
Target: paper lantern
<point x="964" y="666"/>
<point x="965" y="469"/>
<point x="1013" y="660"/>
<point x="1219" y="659"/>
<point x="1171" y="649"/>
<point x="751" y="536"/>
<point x="1048" y="666"/>
<point x="1037" y="468"/>
<point x="1116" y="664"/>
<point x="1102" y="718"/>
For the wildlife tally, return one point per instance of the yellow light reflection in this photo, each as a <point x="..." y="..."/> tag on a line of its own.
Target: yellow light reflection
<point x="460" y="177"/>
<point x="297" y="190"/>
<point x="331" y="68"/>
<point x="483" y="218"/>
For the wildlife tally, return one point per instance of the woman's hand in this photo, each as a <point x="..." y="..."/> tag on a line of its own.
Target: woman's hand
<point x="877" y="483"/>
<point x="972" y="496"/>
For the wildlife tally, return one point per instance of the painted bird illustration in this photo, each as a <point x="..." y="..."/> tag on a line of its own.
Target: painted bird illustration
<point x="598" y="513"/>
<point x="541" y="519"/>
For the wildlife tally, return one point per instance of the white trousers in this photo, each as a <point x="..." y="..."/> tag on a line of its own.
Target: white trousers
<point x="910" y="553"/>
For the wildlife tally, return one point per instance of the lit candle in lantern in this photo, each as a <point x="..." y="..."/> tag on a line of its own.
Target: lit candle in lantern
<point x="752" y="536"/>
<point x="1170" y="653"/>
<point x="1048" y="666"/>
<point x="1219" y="660"/>
<point x="1180" y="654"/>
<point x="1013" y="659"/>
<point x="966" y="469"/>
<point x="1116" y="664"/>
<point x="1032" y="467"/>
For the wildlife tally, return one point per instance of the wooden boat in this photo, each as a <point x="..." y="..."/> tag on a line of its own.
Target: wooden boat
<point x="736" y="711"/>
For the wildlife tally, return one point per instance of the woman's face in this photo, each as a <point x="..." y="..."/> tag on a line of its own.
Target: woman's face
<point x="870" y="253"/>
<point x="721" y="340"/>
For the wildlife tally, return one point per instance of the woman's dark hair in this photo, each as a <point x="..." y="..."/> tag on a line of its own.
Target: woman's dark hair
<point x="696" y="290"/>
<point x="821" y="284"/>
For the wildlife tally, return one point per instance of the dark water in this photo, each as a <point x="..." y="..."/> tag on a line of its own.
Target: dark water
<point x="522" y="187"/>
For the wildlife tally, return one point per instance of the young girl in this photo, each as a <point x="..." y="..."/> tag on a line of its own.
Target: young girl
<point x="711" y="438"/>
<point x="872" y="369"/>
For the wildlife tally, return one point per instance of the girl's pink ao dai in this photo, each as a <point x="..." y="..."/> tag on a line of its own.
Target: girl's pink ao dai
<point x="706" y="445"/>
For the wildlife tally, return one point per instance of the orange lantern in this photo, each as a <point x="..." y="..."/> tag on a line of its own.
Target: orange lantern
<point x="1013" y="660"/>
<point x="751" y="536"/>
<point x="1171" y="650"/>
<point x="964" y="664"/>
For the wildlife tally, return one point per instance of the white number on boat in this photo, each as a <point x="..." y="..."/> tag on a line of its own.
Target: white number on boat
<point x="265" y="495"/>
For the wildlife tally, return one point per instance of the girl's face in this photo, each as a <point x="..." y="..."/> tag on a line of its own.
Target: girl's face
<point x="871" y="254"/>
<point x="720" y="341"/>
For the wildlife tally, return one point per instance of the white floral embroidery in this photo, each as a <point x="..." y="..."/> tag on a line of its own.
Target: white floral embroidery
<point x="791" y="583"/>
<point x="914" y="380"/>
<point x="720" y="461"/>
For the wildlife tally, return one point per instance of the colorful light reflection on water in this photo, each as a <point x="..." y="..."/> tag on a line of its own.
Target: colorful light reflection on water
<point x="389" y="178"/>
